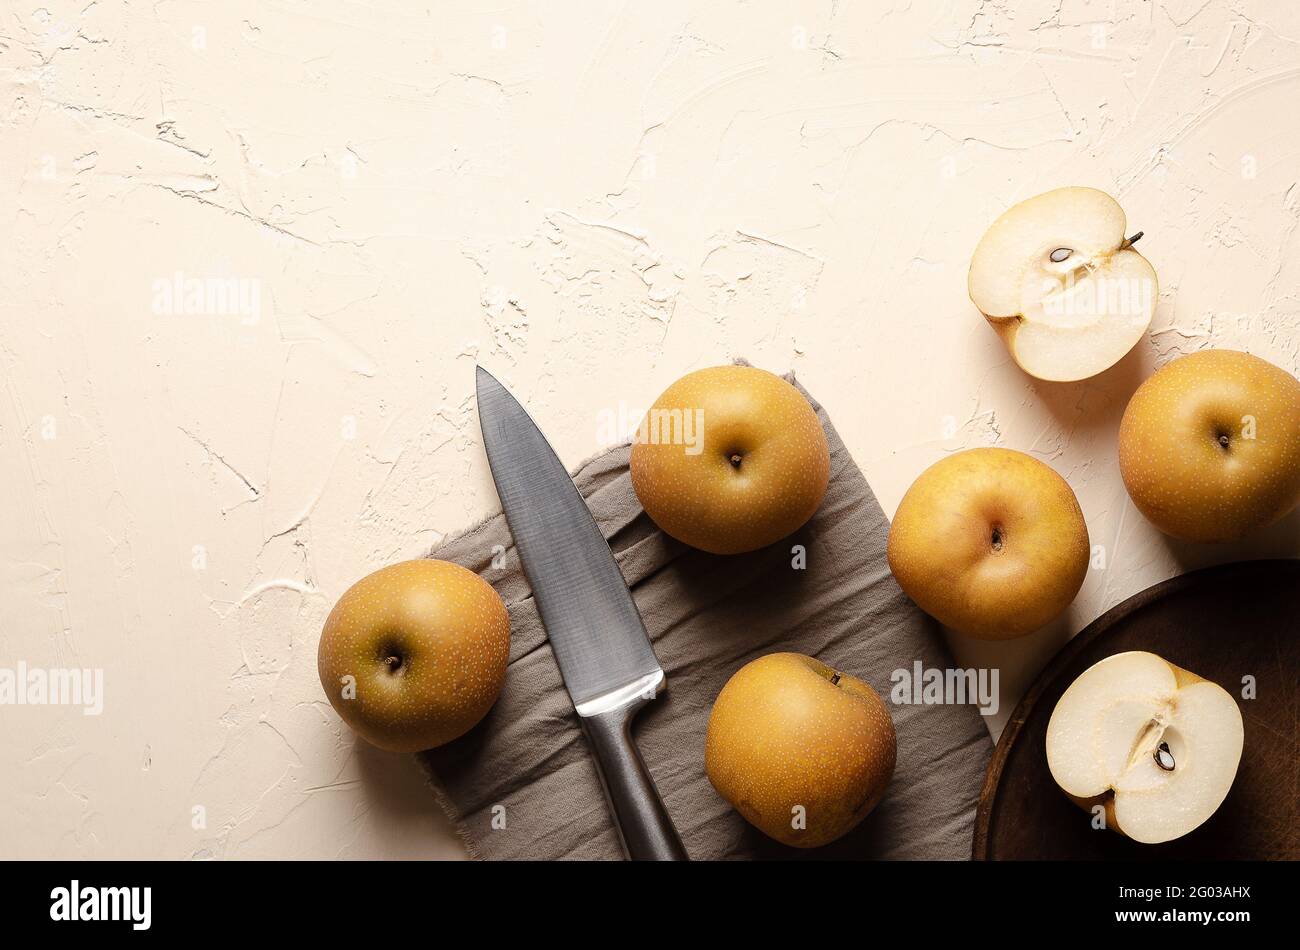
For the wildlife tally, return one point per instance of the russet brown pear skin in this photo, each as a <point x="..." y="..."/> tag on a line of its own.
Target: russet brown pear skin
<point x="789" y="732"/>
<point x="425" y="644"/>
<point x="990" y="542"/>
<point x="761" y="470"/>
<point x="1209" y="446"/>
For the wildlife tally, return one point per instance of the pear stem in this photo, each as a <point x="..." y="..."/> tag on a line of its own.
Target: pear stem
<point x="1129" y="242"/>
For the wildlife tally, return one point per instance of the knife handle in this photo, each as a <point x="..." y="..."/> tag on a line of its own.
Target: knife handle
<point x="642" y="822"/>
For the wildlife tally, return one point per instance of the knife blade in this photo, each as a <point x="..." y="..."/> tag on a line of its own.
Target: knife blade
<point x="596" y="633"/>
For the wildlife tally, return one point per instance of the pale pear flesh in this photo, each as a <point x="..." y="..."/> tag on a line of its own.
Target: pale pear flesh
<point x="1157" y="746"/>
<point x="1059" y="281"/>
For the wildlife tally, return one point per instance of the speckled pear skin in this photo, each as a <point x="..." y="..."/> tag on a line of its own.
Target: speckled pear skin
<point x="427" y="643"/>
<point x="762" y="471"/>
<point x="990" y="542"/>
<point x="1185" y="456"/>
<point x="783" y="734"/>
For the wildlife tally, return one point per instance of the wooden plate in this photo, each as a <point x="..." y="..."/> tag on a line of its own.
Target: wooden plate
<point x="1223" y="623"/>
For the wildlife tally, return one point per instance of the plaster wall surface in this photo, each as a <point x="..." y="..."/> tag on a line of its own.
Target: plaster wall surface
<point x="251" y="251"/>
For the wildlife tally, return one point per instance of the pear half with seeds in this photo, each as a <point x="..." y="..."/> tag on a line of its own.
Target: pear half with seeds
<point x="1156" y="746"/>
<point x="1062" y="285"/>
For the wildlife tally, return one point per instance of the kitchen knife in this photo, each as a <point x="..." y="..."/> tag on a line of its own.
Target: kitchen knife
<point x="596" y="633"/>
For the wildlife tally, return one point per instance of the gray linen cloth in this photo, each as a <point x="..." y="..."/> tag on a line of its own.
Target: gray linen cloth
<point x="522" y="784"/>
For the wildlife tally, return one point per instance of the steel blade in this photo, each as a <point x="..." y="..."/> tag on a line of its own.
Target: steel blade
<point x="596" y="633"/>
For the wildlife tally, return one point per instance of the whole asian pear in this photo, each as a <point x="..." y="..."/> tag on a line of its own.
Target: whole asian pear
<point x="414" y="655"/>
<point x="1209" y="446"/>
<point x="730" y="459"/>
<point x="803" y="751"/>
<point x="990" y="542"/>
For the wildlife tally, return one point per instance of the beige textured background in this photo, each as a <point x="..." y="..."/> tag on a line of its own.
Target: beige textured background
<point x="590" y="198"/>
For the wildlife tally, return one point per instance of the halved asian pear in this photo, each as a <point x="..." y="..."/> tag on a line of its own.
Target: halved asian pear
<point x="1062" y="285"/>
<point x="1156" y="746"/>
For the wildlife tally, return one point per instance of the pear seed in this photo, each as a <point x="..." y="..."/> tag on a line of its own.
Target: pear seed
<point x="1164" y="758"/>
